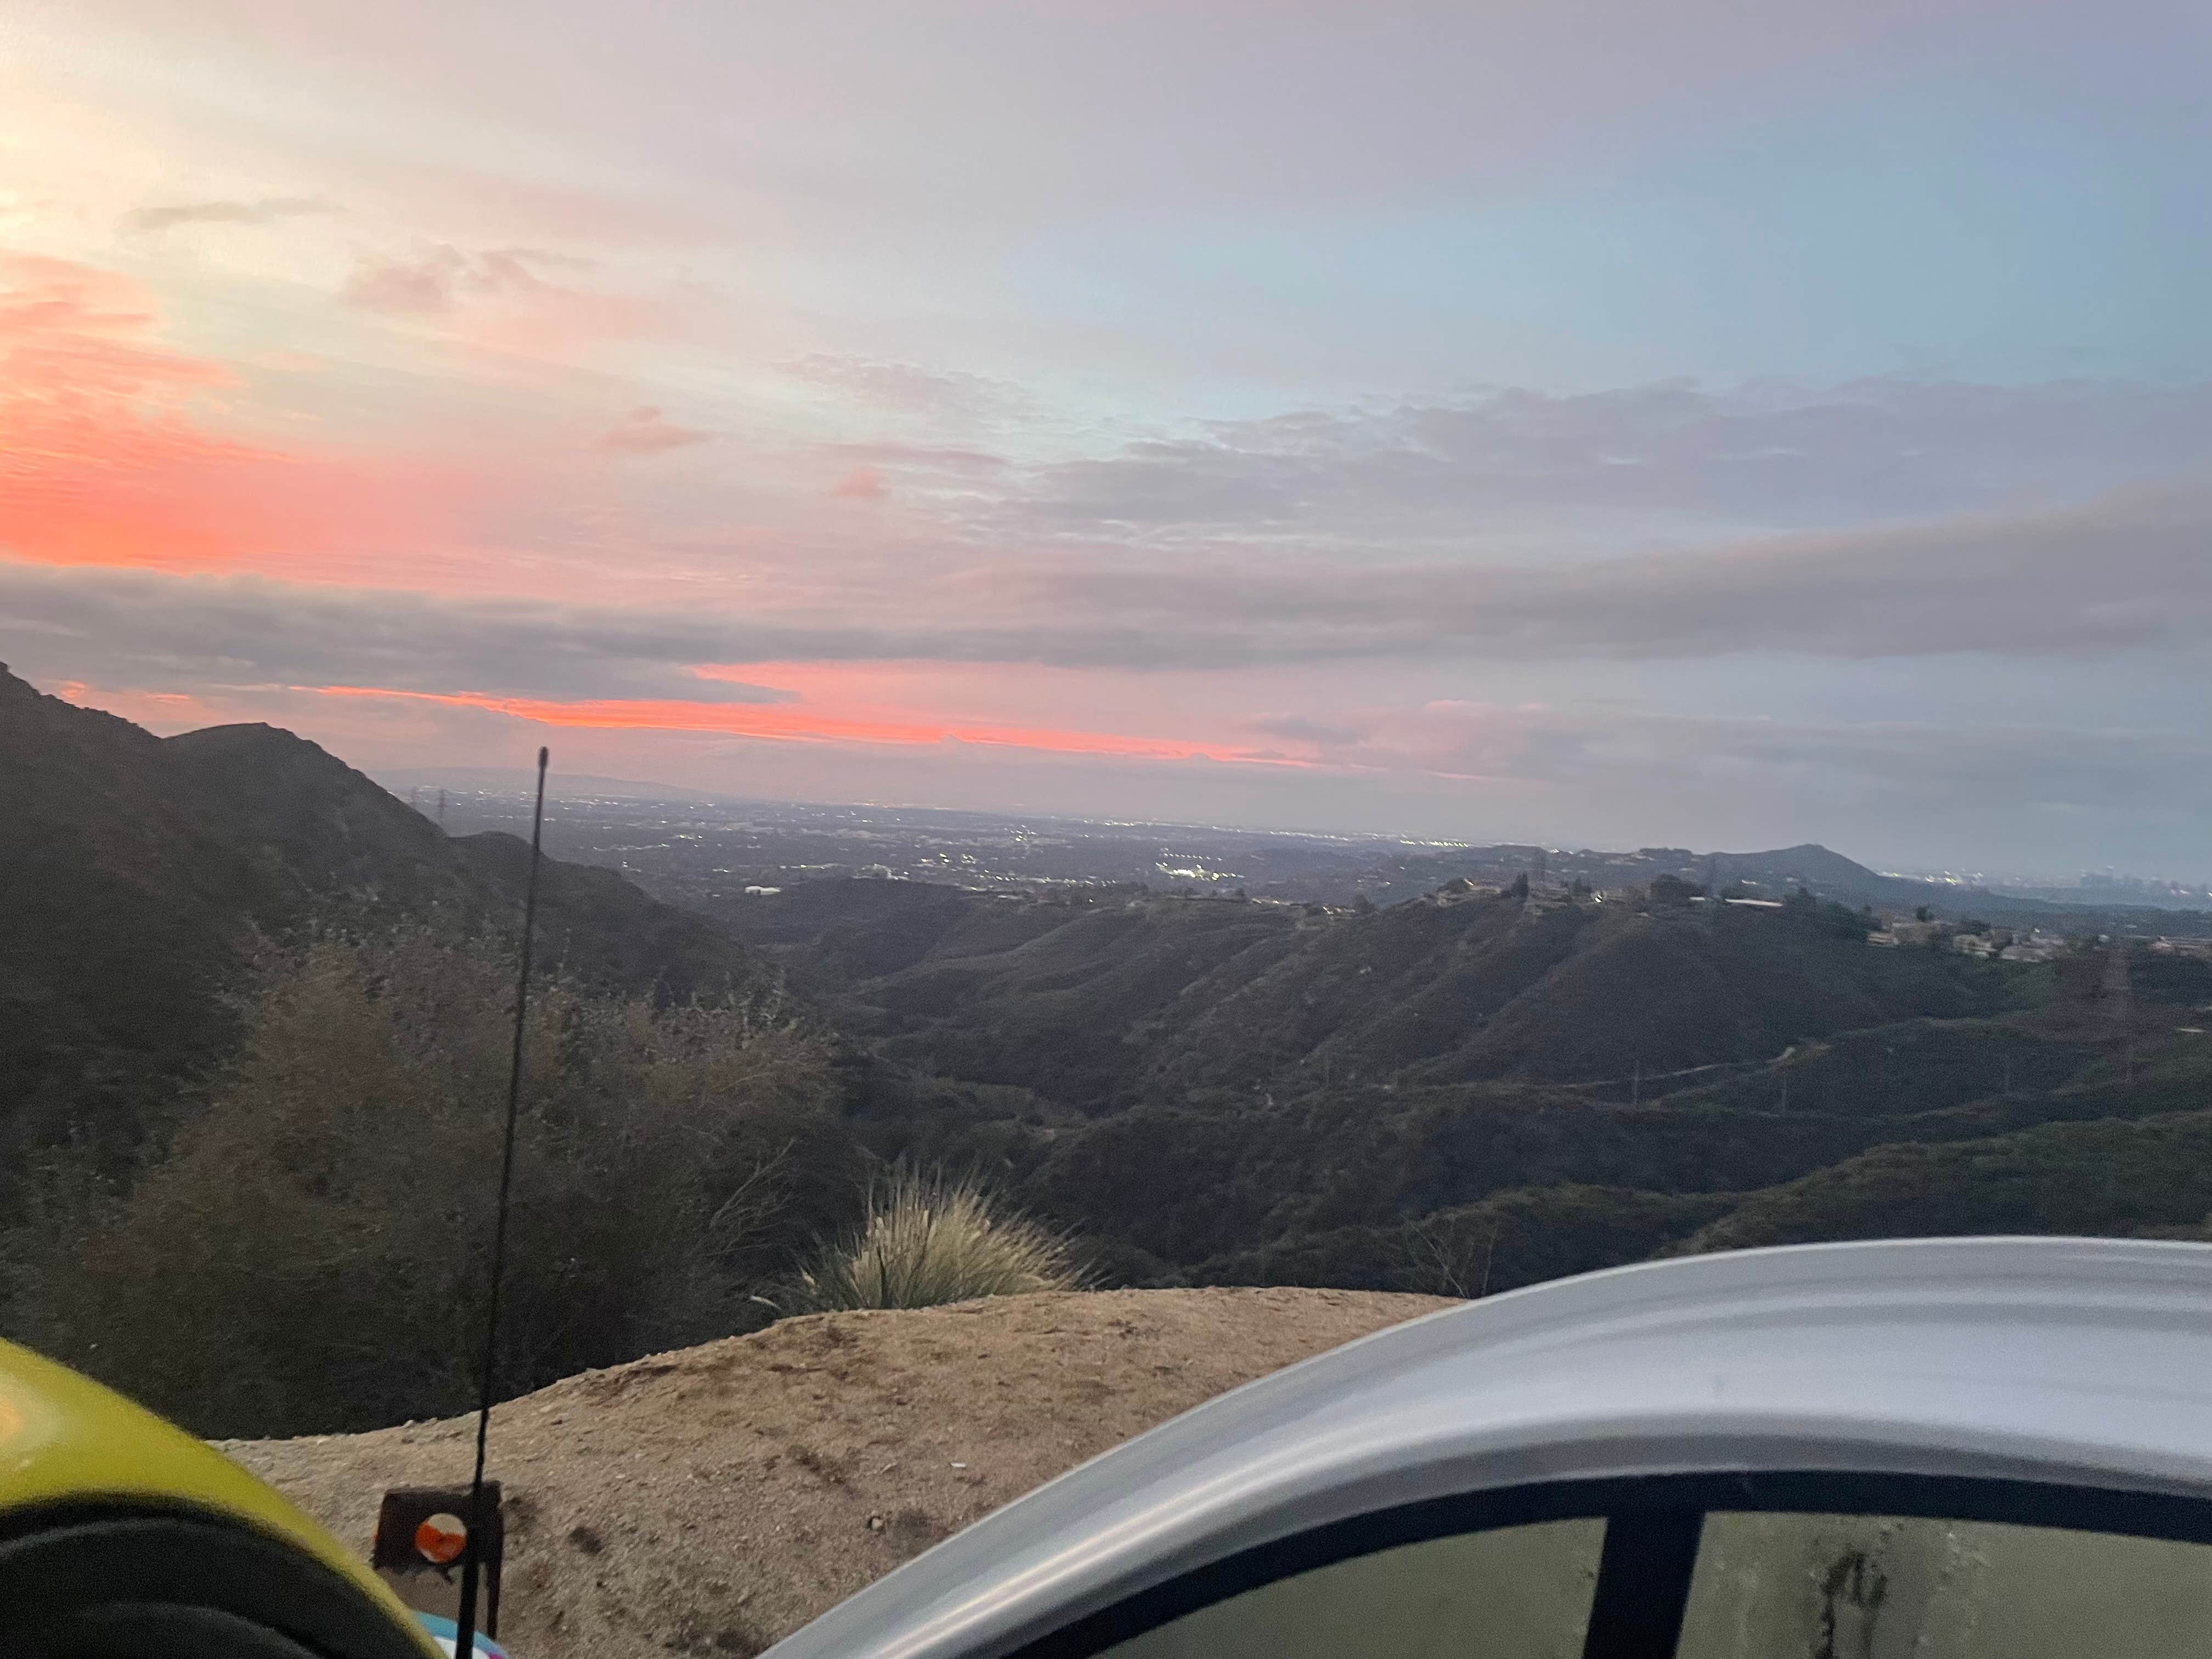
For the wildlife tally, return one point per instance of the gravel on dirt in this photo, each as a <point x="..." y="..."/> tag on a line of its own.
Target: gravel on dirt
<point x="714" y="1499"/>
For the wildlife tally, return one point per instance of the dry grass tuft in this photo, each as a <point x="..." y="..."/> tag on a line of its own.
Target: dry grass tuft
<point x="929" y="1240"/>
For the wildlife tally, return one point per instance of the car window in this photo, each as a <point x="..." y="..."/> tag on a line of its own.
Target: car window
<point x="1885" y="1587"/>
<point x="1514" y="1592"/>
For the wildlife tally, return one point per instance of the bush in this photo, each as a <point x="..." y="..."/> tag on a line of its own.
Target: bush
<point x="311" y="1253"/>
<point x="928" y="1241"/>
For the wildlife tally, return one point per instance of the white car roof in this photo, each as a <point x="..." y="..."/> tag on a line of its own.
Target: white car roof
<point x="2077" y="1362"/>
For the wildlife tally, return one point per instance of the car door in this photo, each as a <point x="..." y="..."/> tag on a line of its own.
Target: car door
<point x="1773" y="1566"/>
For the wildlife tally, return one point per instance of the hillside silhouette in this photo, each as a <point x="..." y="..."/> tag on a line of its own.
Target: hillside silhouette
<point x="136" y="872"/>
<point x="1475" y="1088"/>
<point x="1101" y="1001"/>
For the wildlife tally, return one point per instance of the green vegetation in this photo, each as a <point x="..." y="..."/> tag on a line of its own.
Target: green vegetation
<point x="1105" y="1003"/>
<point x="310" y="1252"/>
<point x="929" y="1240"/>
<point x="1492" y="1091"/>
<point x="253" y="1028"/>
<point x="138" y="872"/>
<point x="1508" y="1240"/>
<point x="2110" y="1177"/>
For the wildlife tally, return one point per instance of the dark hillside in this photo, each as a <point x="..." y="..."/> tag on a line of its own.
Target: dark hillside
<point x="595" y="924"/>
<point x="1828" y="874"/>
<point x="1911" y="1066"/>
<point x="112" y="882"/>
<point x="1073" y="1012"/>
<point x="1668" y="990"/>
<point x="1184" y="1182"/>
<point x="1213" y="1090"/>
<point x="307" y="823"/>
<point x="835" y="932"/>
<point x="135" y="870"/>
<point x="1509" y="1240"/>
<point x="2115" y="1176"/>
<point x="1362" y="996"/>
<point x="1103" y="1003"/>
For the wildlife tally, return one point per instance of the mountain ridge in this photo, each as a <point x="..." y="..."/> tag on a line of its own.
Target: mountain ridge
<point x="1098" y="999"/>
<point x="136" y="871"/>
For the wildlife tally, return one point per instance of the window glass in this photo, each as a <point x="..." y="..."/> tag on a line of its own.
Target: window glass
<point x="1513" y="1593"/>
<point x="1881" y="1587"/>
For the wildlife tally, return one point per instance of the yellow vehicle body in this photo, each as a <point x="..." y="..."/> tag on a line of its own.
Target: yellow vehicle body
<point x="68" y="1445"/>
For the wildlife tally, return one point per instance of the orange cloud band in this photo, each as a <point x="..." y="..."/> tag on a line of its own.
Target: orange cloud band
<point x="790" y="725"/>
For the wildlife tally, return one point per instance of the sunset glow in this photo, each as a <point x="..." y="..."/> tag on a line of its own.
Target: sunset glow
<point x="1505" y="422"/>
<point x="794" y="726"/>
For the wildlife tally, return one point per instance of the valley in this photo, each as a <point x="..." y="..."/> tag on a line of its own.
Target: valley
<point x="1501" y="1076"/>
<point x="1471" y="1090"/>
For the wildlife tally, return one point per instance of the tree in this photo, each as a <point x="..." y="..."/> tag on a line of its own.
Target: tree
<point x="311" y="1253"/>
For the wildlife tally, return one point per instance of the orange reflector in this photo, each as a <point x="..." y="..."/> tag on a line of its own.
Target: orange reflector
<point x="441" y="1538"/>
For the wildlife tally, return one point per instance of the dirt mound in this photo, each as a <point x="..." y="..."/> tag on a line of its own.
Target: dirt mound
<point x="714" y="1499"/>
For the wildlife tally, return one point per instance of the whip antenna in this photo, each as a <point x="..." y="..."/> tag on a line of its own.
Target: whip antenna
<point x="464" y="1642"/>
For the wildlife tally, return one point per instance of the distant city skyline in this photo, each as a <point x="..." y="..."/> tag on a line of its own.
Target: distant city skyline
<point x="1706" y="425"/>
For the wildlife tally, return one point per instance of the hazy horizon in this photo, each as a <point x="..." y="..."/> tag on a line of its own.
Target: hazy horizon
<point x="515" y="782"/>
<point x="520" y="779"/>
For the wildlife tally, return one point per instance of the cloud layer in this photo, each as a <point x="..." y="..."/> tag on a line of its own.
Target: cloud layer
<point x="1665" y="454"/>
<point x="2124" y="573"/>
<point x="1585" y="420"/>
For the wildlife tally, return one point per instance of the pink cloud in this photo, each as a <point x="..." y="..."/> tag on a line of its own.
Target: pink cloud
<point x="646" y="433"/>
<point x="494" y="297"/>
<point x="784" y="723"/>
<point x="109" y="457"/>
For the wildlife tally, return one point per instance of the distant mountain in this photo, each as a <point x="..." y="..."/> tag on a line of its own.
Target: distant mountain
<point x="1811" y="865"/>
<point x="134" y="869"/>
<point x="2088" y="911"/>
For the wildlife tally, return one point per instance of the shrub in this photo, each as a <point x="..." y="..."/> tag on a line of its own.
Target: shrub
<point x="929" y="1240"/>
<point x="311" y="1254"/>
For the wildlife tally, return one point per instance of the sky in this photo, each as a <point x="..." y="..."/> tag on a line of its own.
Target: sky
<point x="1715" y="425"/>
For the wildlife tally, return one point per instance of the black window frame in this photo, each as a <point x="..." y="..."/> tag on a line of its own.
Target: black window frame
<point x="1653" y="1526"/>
